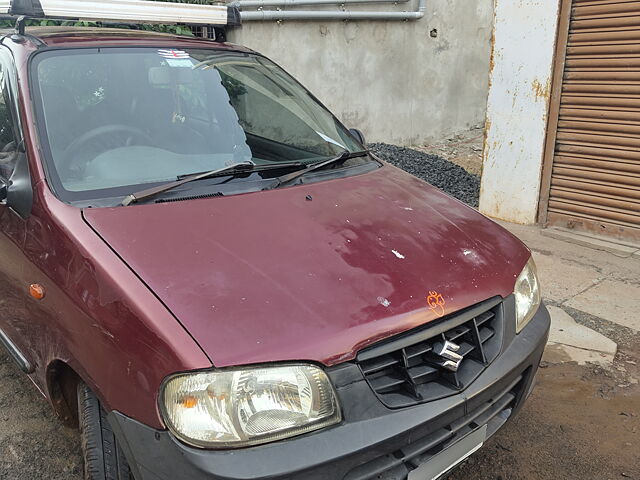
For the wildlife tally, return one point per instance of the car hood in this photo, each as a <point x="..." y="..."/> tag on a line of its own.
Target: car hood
<point x="313" y="272"/>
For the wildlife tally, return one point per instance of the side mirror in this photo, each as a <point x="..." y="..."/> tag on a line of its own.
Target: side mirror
<point x="19" y="191"/>
<point x="358" y="136"/>
<point x="3" y="191"/>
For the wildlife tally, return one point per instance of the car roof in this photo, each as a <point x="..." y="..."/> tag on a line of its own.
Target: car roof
<point x="66" y="37"/>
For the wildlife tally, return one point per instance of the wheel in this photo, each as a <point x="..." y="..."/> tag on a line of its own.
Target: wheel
<point x="103" y="458"/>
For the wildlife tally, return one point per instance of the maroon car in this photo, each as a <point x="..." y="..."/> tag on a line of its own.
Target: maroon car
<point x="210" y="276"/>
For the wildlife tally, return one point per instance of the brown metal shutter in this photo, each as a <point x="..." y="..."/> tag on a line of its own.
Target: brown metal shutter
<point x="595" y="177"/>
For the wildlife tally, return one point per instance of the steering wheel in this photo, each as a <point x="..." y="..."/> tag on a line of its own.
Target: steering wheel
<point x="99" y="140"/>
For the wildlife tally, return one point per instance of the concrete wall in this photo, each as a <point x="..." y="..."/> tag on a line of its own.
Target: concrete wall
<point x="517" y="109"/>
<point x="390" y="79"/>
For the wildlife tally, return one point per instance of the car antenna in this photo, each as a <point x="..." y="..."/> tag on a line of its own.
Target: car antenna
<point x="20" y="27"/>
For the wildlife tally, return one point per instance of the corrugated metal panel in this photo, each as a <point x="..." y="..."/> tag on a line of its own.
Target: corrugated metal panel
<point x="595" y="178"/>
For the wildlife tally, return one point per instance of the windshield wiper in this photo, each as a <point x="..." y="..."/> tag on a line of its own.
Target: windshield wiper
<point x="256" y="168"/>
<point x="293" y="176"/>
<point x="152" y="192"/>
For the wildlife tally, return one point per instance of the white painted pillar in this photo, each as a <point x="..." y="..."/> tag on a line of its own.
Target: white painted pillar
<point x="517" y="108"/>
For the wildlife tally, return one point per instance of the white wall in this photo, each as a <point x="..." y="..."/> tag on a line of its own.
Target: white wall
<point x="390" y="79"/>
<point x="517" y="108"/>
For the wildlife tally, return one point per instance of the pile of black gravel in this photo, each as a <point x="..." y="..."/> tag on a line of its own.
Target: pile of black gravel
<point x="440" y="173"/>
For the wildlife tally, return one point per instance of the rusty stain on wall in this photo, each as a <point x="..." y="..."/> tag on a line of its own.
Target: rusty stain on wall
<point x="542" y="91"/>
<point x="487" y="125"/>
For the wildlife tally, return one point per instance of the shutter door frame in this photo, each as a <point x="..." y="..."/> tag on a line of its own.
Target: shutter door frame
<point x="609" y="179"/>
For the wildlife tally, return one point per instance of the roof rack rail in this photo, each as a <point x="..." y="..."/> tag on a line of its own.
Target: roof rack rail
<point x="126" y="11"/>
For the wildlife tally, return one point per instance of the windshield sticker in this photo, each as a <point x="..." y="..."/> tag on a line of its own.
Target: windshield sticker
<point x="329" y="139"/>
<point x="173" y="54"/>
<point x="176" y="58"/>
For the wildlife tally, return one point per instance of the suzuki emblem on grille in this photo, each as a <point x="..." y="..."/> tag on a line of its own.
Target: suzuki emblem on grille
<point x="447" y="350"/>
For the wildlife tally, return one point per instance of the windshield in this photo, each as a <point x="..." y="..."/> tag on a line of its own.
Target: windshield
<point x="113" y="119"/>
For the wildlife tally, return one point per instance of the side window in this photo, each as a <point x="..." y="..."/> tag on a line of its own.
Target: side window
<point x="8" y="143"/>
<point x="271" y="106"/>
<point x="268" y="110"/>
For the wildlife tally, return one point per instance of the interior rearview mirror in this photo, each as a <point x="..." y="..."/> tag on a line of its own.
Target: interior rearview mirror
<point x="358" y="135"/>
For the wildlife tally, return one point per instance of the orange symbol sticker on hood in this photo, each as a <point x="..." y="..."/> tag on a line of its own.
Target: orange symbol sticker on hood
<point x="436" y="303"/>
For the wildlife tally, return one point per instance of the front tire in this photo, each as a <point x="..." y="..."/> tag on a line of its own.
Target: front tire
<point x="103" y="458"/>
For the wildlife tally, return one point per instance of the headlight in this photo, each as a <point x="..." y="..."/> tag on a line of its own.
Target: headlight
<point x="527" y="293"/>
<point x="241" y="407"/>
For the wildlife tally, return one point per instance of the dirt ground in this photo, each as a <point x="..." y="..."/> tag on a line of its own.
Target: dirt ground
<point x="581" y="422"/>
<point x="33" y="443"/>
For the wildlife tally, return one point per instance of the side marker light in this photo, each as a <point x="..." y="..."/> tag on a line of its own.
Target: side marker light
<point x="36" y="291"/>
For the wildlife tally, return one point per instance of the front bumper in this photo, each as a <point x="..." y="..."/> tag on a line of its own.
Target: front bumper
<point x="373" y="441"/>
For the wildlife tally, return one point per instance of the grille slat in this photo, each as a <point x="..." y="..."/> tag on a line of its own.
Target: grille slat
<point x="423" y="371"/>
<point x="457" y="333"/>
<point x="486" y="334"/>
<point x="477" y="341"/>
<point x="484" y="317"/>
<point x="379" y="364"/>
<point x="419" y="349"/>
<point x="387" y="382"/>
<point x="465" y="349"/>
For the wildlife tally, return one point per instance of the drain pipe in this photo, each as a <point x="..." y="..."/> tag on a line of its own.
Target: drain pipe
<point x="294" y="3"/>
<point x="265" y="15"/>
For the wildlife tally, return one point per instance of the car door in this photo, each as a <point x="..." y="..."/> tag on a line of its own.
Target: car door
<point x="13" y="286"/>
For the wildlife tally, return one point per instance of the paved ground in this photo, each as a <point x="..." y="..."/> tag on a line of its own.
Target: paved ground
<point x="582" y="421"/>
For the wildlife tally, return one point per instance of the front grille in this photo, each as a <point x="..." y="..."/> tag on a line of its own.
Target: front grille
<point x="409" y="369"/>
<point x="397" y="465"/>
